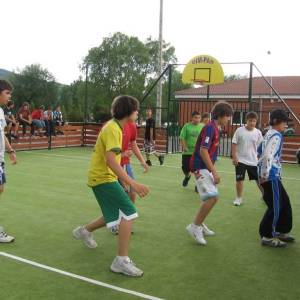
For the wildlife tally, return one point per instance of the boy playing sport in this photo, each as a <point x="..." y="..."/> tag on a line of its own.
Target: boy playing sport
<point x="129" y="146"/>
<point x="202" y="164"/>
<point x="277" y="222"/>
<point x="150" y="136"/>
<point x="105" y="170"/>
<point x="188" y="137"/>
<point x="5" y="95"/>
<point x="244" y="154"/>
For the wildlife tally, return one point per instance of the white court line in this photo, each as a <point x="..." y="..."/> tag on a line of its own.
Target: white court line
<point x="92" y="281"/>
<point x="167" y="166"/>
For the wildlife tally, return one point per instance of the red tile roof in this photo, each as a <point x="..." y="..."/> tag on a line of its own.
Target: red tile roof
<point x="284" y="85"/>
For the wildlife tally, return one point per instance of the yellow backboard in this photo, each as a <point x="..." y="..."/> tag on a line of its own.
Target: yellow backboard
<point x="204" y="69"/>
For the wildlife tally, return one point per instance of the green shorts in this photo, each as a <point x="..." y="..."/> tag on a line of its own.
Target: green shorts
<point x="114" y="202"/>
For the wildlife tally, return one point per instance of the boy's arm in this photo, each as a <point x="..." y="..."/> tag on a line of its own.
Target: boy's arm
<point x="268" y="156"/>
<point x="235" y="160"/>
<point x="210" y="166"/>
<point x="12" y="154"/>
<point x="138" y="154"/>
<point x="112" y="163"/>
<point x="235" y="140"/>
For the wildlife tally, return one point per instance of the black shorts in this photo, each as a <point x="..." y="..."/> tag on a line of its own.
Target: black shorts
<point x="240" y="172"/>
<point x="186" y="163"/>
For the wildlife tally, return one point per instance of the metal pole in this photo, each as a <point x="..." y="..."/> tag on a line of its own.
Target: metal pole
<point x="160" y="66"/>
<point x="250" y="86"/>
<point x="86" y="92"/>
<point x="169" y="99"/>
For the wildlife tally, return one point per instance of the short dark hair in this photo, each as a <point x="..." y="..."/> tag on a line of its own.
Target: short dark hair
<point x="25" y="104"/>
<point x="251" y="115"/>
<point x="221" y="109"/>
<point x="205" y="115"/>
<point x="5" y="85"/>
<point x="42" y="107"/>
<point x="195" y="113"/>
<point x="123" y="106"/>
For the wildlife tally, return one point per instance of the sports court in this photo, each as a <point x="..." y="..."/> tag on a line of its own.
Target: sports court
<point x="47" y="197"/>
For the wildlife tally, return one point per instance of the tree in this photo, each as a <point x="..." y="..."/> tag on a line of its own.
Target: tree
<point x="35" y="85"/>
<point x="232" y="77"/>
<point x="122" y="65"/>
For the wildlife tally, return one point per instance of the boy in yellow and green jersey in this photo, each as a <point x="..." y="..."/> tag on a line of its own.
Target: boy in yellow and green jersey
<point x="188" y="137"/>
<point x="105" y="171"/>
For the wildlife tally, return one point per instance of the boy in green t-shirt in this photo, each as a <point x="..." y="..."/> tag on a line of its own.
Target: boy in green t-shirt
<point x="188" y="137"/>
<point x="105" y="170"/>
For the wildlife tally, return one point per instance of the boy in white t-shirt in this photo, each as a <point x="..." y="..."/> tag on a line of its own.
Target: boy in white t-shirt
<point x="5" y="95"/>
<point x="245" y="141"/>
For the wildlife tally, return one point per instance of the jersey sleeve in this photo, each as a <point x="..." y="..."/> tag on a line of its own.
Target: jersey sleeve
<point x="183" y="133"/>
<point x="207" y="136"/>
<point x="112" y="141"/>
<point x="235" y="138"/>
<point x="268" y="155"/>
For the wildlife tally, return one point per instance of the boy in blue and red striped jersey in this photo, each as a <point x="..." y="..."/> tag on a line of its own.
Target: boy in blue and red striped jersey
<point x="202" y="165"/>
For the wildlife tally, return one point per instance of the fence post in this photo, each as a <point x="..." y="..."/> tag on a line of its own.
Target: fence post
<point x="250" y="86"/>
<point x="169" y="99"/>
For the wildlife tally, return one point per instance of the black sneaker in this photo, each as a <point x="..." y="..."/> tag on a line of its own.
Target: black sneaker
<point x="149" y="163"/>
<point x="196" y="190"/>
<point x="186" y="180"/>
<point x="273" y="242"/>
<point x="287" y="238"/>
<point x="161" y="159"/>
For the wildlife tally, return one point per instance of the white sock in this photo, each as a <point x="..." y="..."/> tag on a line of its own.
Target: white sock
<point x="123" y="258"/>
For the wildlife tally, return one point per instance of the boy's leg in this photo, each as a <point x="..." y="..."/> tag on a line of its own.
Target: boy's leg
<point x="96" y="224"/>
<point x="285" y="222"/>
<point x="186" y="169"/>
<point x="16" y="128"/>
<point x="204" y="210"/>
<point x="240" y="171"/>
<point x="270" y="219"/>
<point x="124" y="237"/>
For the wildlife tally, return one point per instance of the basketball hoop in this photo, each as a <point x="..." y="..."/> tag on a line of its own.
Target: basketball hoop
<point x="199" y="82"/>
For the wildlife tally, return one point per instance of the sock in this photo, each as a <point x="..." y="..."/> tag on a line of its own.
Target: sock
<point x="123" y="258"/>
<point x="239" y="199"/>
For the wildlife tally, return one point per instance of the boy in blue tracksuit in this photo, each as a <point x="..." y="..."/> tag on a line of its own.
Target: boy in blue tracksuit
<point x="276" y="224"/>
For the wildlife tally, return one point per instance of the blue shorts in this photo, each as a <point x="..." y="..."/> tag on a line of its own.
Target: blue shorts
<point x="2" y="174"/>
<point x="128" y="169"/>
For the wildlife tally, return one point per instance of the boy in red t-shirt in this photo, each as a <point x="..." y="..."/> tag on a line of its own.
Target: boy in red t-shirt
<point x="129" y="147"/>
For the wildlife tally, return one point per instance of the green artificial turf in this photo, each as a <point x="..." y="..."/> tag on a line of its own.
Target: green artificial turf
<point x="46" y="197"/>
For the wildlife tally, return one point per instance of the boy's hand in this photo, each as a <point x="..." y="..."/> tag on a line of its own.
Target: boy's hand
<point x="235" y="161"/>
<point x="217" y="178"/>
<point x="13" y="158"/>
<point x="146" y="167"/>
<point x="140" y="189"/>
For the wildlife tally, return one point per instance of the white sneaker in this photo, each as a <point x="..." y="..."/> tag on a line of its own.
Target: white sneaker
<point x="125" y="266"/>
<point x="237" y="202"/>
<point x="197" y="233"/>
<point x="207" y="231"/>
<point x="4" y="238"/>
<point x="115" y="230"/>
<point x="80" y="233"/>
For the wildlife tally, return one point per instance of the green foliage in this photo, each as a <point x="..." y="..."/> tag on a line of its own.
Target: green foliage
<point x="35" y="85"/>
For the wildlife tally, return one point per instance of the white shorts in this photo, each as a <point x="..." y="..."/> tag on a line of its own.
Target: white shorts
<point x="205" y="185"/>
